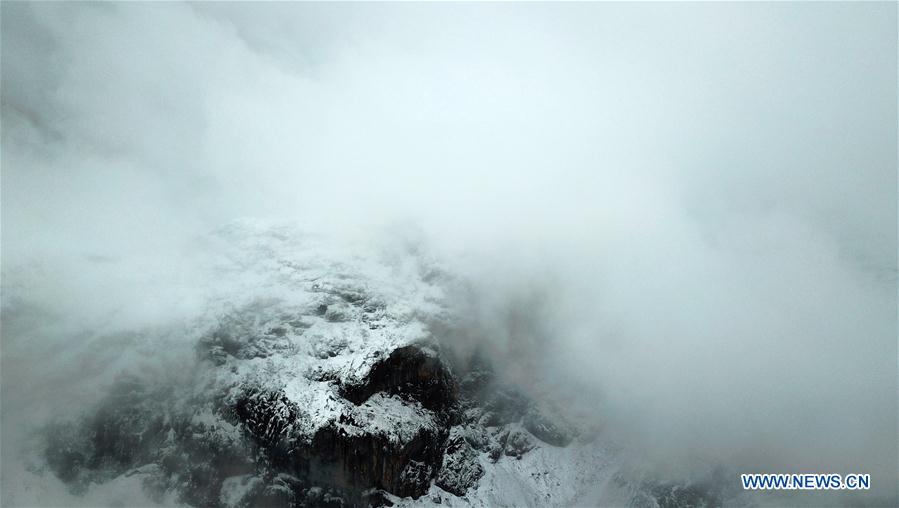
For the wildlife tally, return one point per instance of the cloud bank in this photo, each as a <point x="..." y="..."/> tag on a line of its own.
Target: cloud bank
<point x="686" y="211"/>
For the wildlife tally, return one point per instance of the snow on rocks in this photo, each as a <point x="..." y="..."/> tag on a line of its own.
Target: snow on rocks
<point x="318" y="382"/>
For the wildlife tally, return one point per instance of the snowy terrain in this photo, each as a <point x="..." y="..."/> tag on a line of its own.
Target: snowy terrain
<point x="313" y="378"/>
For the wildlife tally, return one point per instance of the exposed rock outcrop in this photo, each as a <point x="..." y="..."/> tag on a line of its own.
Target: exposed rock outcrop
<point x="397" y="431"/>
<point x="336" y="394"/>
<point x="460" y="469"/>
<point x="412" y="372"/>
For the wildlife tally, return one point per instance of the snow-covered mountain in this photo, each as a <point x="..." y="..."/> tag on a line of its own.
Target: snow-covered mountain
<point x="319" y="375"/>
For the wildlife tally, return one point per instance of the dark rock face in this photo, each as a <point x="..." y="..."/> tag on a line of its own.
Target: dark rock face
<point x="358" y="462"/>
<point x="403" y="426"/>
<point x="410" y="372"/>
<point x="135" y="426"/>
<point x="266" y="416"/>
<point x="341" y="455"/>
<point x="461" y="469"/>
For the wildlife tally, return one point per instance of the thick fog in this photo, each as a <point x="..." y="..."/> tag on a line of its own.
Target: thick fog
<point x="682" y="215"/>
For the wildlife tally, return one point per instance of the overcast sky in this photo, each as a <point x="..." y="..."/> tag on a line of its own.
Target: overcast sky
<point x="695" y="204"/>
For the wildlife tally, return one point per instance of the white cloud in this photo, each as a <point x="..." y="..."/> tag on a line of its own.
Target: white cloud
<point x="704" y="194"/>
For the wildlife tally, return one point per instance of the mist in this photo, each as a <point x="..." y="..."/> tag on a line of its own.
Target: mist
<point x="686" y="211"/>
